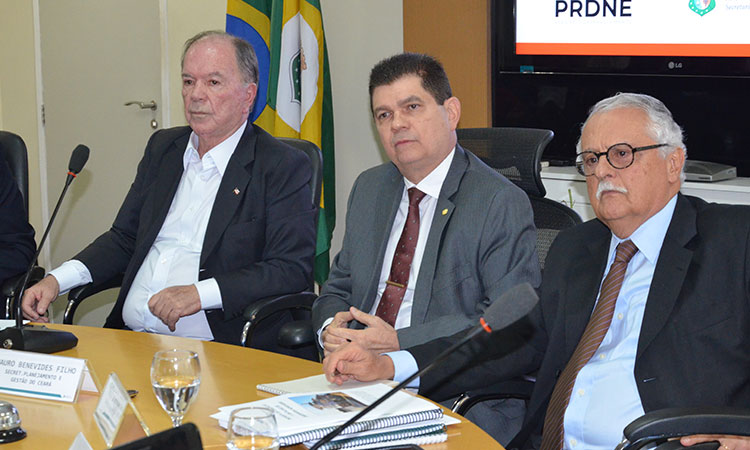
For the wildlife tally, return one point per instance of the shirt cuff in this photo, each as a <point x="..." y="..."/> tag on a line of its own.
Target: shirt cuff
<point x="209" y="293"/>
<point x="404" y="365"/>
<point x="71" y="274"/>
<point x="320" y="331"/>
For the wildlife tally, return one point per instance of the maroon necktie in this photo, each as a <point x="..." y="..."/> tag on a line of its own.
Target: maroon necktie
<point x="395" y="286"/>
<point x="553" y="432"/>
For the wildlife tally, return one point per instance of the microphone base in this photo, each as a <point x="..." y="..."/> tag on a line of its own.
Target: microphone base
<point x="39" y="339"/>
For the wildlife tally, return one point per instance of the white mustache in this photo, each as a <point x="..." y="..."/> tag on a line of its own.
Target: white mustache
<point x="608" y="186"/>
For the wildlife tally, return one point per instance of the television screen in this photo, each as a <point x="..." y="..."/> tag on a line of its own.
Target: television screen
<point x="633" y="27"/>
<point x="676" y="37"/>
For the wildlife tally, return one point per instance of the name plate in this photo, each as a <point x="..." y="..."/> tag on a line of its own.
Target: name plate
<point x="111" y="408"/>
<point x="38" y="375"/>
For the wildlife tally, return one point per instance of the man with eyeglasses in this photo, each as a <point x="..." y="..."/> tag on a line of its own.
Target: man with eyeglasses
<point x="645" y="308"/>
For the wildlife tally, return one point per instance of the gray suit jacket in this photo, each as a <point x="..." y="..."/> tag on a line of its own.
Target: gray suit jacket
<point x="483" y="245"/>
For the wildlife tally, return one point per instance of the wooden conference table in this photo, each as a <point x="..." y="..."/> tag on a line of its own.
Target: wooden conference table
<point x="229" y="375"/>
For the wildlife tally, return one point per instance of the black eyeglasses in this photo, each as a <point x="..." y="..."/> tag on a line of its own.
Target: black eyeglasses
<point x="620" y="156"/>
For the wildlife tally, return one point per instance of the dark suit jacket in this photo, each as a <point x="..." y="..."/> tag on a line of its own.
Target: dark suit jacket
<point x="694" y="347"/>
<point x="17" y="244"/>
<point x="259" y="242"/>
<point x="481" y="243"/>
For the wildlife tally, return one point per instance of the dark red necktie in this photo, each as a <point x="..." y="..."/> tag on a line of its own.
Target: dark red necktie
<point x="395" y="287"/>
<point x="553" y="432"/>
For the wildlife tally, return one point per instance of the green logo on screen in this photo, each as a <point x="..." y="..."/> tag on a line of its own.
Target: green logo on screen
<point x="702" y="7"/>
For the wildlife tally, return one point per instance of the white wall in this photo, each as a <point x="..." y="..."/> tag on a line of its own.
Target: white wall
<point x="359" y="33"/>
<point x="18" y="102"/>
<point x="186" y="18"/>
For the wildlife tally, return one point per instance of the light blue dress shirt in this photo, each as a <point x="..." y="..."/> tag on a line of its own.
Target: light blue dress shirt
<point x="605" y="395"/>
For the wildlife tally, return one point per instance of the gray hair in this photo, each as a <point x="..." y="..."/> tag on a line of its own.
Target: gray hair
<point x="244" y="52"/>
<point x="661" y="128"/>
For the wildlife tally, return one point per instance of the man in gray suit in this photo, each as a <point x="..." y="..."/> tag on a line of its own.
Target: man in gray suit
<point x="471" y="230"/>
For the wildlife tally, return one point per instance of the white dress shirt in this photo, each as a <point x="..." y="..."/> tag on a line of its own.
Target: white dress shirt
<point x="431" y="186"/>
<point x="174" y="257"/>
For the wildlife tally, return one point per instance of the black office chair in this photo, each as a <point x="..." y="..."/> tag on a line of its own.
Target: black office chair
<point x="298" y="334"/>
<point x="517" y="153"/>
<point x="260" y="309"/>
<point x="13" y="149"/>
<point x="660" y="428"/>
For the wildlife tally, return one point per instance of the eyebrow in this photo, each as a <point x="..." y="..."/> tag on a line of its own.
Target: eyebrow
<point x="400" y="103"/>
<point x="210" y="75"/>
<point x="410" y="99"/>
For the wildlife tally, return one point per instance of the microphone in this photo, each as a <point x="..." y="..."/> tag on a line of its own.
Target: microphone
<point x="514" y="304"/>
<point x="77" y="160"/>
<point x="42" y="339"/>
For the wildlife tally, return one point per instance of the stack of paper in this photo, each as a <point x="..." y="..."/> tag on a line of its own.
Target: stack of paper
<point x="307" y="417"/>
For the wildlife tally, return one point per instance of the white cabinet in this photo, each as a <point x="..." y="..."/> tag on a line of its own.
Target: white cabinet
<point x="566" y="185"/>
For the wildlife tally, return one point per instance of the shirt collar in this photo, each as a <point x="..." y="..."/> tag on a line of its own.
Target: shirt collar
<point x="649" y="237"/>
<point x="217" y="156"/>
<point x="433" y="182"/>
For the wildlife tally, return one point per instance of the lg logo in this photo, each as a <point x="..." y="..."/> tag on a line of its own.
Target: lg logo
<point x="674" y="65"/>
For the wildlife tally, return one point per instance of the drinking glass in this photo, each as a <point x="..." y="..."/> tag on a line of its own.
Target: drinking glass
<point x="252" y="428"/>
<point x="175" y="378"/>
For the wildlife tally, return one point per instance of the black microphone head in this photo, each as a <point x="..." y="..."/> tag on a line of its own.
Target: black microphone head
<point x="511" y="306"/>
<point x="78" y="159"/>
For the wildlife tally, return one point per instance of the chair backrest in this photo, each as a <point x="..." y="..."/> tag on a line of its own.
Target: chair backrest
<point x="514" y="152"/>
<point x="550" y="217"/>
<point x="517" y="153"/>
<point x="316" y="161"/>
<point x="13" y="149"/>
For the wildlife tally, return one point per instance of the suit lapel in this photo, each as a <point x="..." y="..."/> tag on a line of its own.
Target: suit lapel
<point x="586" y="275"/>
<point x="386" y="206"/>
<point x="232" y="190"/>
<point x="423" y="289"/>
<point x="165" y="187"/>
<point x="671" y="269"/>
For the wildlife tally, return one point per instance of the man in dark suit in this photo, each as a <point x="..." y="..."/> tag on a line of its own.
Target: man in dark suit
<point x="16" y="235"/>
<point x="473" y="234"/>
<point x="219" y="214"/>
<point x="644" y="308"/>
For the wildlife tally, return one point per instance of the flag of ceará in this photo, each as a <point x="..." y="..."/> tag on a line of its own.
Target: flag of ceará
<point x="294" y="87"/>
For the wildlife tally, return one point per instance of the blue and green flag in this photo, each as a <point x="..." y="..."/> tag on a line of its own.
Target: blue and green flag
<point x="294" y="87"/>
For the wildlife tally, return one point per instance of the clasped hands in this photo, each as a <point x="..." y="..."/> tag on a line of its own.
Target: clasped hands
<point x="378" y="336"/>
<point x="169" y="304"/>
<point x="358" y="354"/>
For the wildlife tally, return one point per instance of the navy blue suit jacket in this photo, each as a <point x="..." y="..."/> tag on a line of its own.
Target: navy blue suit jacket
<point x="260" y="238"/>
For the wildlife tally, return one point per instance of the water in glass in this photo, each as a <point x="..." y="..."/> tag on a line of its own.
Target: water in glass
<point x="175" y="379"/>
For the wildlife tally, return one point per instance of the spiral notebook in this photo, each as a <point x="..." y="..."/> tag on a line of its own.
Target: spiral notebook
<point x="430" y="433"/>
<point x="307" y="417"/>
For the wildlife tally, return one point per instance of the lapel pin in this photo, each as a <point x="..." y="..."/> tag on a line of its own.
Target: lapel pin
<point x="236" y="191"/>
<point x="445" y="211"/>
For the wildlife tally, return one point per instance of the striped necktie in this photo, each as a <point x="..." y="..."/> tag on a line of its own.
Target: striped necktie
<point x="398" y="279"/>
<point x="554" y="431"/>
